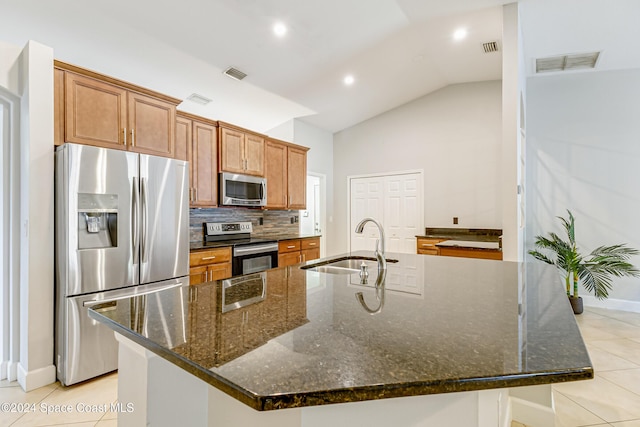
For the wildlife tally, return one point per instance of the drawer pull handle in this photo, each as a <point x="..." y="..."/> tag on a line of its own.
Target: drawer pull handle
<point x="312" y="244"/>
<point x="291" y="247"/>
<point x="208" y="257"/>
<point x="428" y="244"/>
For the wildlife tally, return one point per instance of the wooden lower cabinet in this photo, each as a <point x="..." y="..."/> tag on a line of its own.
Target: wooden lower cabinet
<point x="295" y="251"/>
<point x="209" y="265"/>
<point x="471" y="253"/>
<point x="427" y="246"/>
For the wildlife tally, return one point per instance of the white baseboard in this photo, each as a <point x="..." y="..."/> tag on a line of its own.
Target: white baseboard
<point x="611" y="303"/>
<point x="31" y="380"/>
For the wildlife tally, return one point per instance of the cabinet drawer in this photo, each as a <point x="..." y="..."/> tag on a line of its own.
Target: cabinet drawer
<point x="288" y="246"/>
<point x="211" y="256"/>
<point x="431" y="251"/>
<point x="427" y="246"/>
<point x="310" y="243"/>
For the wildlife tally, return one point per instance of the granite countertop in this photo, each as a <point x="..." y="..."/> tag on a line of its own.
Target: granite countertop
<point x="200" y="245"/>
<point x="469" y="324"/>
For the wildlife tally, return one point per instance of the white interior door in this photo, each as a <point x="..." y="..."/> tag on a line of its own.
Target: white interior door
<point x="402" y="217"/>
<point x="367" y="200"/>
<point x="396" y="202"/>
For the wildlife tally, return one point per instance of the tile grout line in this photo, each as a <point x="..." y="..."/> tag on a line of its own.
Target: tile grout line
<point x="586" y="409"/>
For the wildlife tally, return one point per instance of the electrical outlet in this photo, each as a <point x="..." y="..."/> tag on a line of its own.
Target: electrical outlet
<point x="296" y="219"/>
<point x="455" y="219"/>
<point x="292" y="220"/>
<point x="260" y="221"/>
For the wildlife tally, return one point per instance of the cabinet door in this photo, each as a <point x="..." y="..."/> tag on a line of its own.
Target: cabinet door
<point x="197" y="275"/>
<point x="58" y="106"/>
<point x="95" y="112"/>
<point x="219" y="271"/>
<point x="254" y="155"/>
<point x="231" y="151"/>
<point x="289" y="258"/>
<point x="151" y="125"/>
<point x="204" y="161"/>
<point x="310" y="254"/>
<point x="297" y="178"/>
<point x="276" y="174"/>
<point x="183" y="139"/>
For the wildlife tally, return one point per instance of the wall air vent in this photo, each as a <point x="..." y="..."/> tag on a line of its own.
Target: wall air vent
<point x="198" y="99"/>
<point x="567" y="62"/>
<point x="490" y="47"/>
<point x="234" y="73"/>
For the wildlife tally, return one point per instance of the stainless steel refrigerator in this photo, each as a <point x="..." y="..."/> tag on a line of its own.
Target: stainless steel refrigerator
<point x="122" y="229"/>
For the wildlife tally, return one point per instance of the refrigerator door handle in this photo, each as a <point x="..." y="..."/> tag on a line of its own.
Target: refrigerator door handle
<point x="128" y="294"/>
<point x="134" y="217"/>
<point x="144" y="195"/>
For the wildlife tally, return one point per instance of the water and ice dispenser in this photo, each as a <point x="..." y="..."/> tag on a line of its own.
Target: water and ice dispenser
<point x="97" y="221"/>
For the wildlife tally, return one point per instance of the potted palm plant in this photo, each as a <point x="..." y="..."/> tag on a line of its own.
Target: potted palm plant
<point x="595" y="270"/>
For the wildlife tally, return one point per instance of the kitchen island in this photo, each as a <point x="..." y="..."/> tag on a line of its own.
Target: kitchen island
<point x="468" y="343"/>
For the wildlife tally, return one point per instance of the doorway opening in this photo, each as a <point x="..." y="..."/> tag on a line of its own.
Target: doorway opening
<point x="313" y="219"/>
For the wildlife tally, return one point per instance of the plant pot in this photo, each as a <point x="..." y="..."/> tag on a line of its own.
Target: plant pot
<point x="576" y="304"/>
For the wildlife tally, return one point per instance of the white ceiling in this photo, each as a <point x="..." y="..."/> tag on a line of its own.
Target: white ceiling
<point x="397" y="50"/>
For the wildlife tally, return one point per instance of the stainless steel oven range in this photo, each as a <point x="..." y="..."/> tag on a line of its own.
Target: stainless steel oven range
<point x="250" y="255"/>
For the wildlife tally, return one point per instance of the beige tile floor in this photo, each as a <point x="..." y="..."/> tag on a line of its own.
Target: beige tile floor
<point x="611" y="399"/>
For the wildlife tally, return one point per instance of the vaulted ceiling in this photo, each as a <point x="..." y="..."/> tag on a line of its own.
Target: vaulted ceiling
<point x="396" y="50"/>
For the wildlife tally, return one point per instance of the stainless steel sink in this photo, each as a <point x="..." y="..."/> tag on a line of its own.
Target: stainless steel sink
<point x="344" y="265"/>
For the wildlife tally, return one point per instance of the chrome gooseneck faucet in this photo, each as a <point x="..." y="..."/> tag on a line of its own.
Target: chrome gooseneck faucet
<point x="382" y="267"/>
<point x="380" y="241"/>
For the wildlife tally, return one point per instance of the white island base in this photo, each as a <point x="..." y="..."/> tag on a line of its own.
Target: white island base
<point x="163" y="394"/>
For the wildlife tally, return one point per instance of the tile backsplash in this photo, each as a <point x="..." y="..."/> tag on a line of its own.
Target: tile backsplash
<point x="272" y="221"/>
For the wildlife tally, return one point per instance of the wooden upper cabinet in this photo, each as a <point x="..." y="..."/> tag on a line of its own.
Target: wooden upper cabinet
<point x="241" y="151"/>
<point x="58" y="106"/>
<point x="276" y="174"/>
<point x="183" y="138"/>
<point x="231" y="150"/>
<point x="102" y="111"/>
<point x="151" y="125"/>
<point x="297" y="177"/>
<point x="286" y="174"/>
<point x="204" y="160"/>
<point x="254" y="154"/>
<point x="95" y="112"/>
<point x="197" y="142"/>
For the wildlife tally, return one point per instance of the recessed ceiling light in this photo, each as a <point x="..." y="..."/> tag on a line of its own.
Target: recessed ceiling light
<point x="279" y="29"/>
<point x="460" y="33"/>
<point x="348" y="80"/>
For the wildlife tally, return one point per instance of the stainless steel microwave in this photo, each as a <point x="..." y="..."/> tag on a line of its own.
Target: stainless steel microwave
<point x="242" y="190"/>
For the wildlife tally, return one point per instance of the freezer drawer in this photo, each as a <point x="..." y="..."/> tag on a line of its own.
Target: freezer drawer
<point x="86" y="348"/>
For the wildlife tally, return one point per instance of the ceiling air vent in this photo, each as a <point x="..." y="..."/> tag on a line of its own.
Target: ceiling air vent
<point x="490" y="47"/>
<point x="198" y="99"/>
<point x="567" y="62"/>
<point x="234" y="73"/>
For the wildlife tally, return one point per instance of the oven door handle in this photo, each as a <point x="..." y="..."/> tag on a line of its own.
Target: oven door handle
<point x="255" y="249"/>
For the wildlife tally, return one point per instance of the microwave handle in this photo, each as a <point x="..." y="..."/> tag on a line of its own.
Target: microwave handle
<point x="263" y="189"/>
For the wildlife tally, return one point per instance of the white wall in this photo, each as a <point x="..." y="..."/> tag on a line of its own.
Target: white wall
<point x="583" y="154"/>
<point x="454" y="134"/>
<point x="319" y="160"/>
<point x="34" y="86"/>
